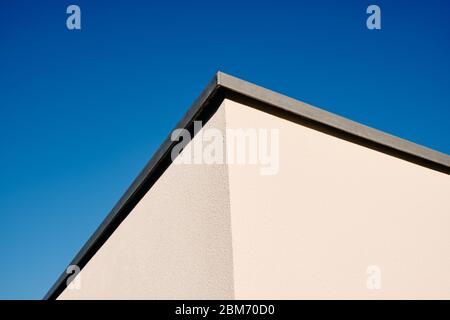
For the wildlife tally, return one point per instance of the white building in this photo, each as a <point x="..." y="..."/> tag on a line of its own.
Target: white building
<point x="342" y="211"/>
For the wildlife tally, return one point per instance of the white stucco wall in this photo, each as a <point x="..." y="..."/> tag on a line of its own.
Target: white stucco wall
<point x="310" y="231"/>
<point x="334" y="209"/>
<point x="175" y="244"/>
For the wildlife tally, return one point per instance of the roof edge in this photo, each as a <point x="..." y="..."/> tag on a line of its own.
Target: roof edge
<point x="221" y="81"/>
<point x="132" y="194"/>
<point x="329" y="119"/>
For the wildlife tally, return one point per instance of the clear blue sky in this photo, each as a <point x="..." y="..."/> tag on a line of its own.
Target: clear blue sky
<point x="81" y="112"/>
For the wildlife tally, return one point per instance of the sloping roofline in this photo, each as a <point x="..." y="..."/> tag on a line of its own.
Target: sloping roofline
<point x="225" y="86"/>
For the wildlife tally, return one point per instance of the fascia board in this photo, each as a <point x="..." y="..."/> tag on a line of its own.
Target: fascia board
<point x="216" y="90"/>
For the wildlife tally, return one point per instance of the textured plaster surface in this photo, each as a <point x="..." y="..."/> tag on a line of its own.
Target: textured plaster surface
<point x="310" y="231"/>
<point x="334" y="209"/>
<point x="175" y="244"/>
